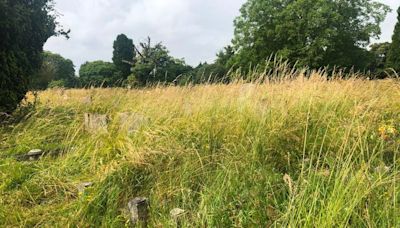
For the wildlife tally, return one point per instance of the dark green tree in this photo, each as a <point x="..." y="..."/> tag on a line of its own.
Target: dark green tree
<point x="205" y="72"/>
<point x="393" y="58"/>
<point x="98" y="73"/>
<point x="379" y="52"/>
<point x="54" y="68"/>
<point x="224" y="57"/>
<point x="24" y="28"/>
<point x="124" y="52"/>
<point x="154" y="64"/>
<point x="312" y="33"/>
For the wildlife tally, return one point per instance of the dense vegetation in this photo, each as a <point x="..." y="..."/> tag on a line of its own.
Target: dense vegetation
<point x="99" y="73"/>
<point x="393" y="58"/>
<point x="255" y="139"/>
<point x="124" y="51"/>
<point x="313" y="33"/>
<point x="24" y="27"/>
<point x="54" y="70"/>
<point x="308" y="34"/>
<point x="298" y="152"/>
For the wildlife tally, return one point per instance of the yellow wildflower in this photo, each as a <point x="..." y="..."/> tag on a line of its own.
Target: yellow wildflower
<point x="387" y="131"/>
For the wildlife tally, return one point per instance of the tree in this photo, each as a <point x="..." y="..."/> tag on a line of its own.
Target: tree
<point x="313" y="33"/>
<point x="98" y="73"/>
<point x="154" y="64"/>
<point x="24" y="27"/>
<point x="393" y="59"/>
<point x="379" y="54"/>
<point x="54" y="68"/>
<point x="123" y="51"/>
<point x="205" y="72"/>
<point x="224" y="57"/>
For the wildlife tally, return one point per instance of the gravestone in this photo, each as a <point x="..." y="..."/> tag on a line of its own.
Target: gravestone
<point x="96" y="122"/>
<point x="34" y="154"/>
<point x="83" y="186"/>
<point x="177" y="216"/>
<point x="139" y="211"/>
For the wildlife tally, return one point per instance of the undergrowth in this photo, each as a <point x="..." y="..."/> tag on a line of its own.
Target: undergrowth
<point x="303" y="151"/>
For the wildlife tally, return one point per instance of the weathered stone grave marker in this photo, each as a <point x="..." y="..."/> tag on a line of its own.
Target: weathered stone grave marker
<point x="96" y="122"/>
<point x="177" y="216"/>
<point x="83" y="186"/>
<point x="34" y="154"/>
<point x="139" y="211"/>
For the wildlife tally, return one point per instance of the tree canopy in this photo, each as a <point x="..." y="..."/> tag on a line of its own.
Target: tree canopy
<point x="393" y="58"/>
<point x="98" y="73"/>
<point x="123" y="51"/>
<point x="54" y="68"/>
<point x="154" y="64"/>
<point x="313" y="33"/>
<point x="25" y="26"/>
<point x="379" y="52"/>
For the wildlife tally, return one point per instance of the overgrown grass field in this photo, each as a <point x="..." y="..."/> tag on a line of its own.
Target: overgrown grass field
<point x="303" y="152"/>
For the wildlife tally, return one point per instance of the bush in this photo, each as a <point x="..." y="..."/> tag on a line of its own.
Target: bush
<point x="25" y="27"/>
<point x="57" y="84"/>
<point x="131" y="81"/>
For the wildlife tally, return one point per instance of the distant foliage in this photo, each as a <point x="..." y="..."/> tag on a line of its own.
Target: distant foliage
<point x="99" y="73"/>
<point x="313" y="33"/>
<point x="154" y="64"/>
<point x="379" y="53"/>
<point x="205" y="72"/>
<point x="24" y="27"/>
<point x="54" y="68"/>
<point x="224" y="57"/>
<point x="393" y="59"/>
<point x="131" y="81"/>
<point x="124" y="52"/>
<point x="57" y="84"/>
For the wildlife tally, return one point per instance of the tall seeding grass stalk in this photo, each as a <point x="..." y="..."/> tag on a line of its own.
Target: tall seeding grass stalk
<point x="281" y="148"/>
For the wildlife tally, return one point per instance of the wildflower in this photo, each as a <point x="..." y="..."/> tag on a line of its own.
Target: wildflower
<point x="387" y="131"/>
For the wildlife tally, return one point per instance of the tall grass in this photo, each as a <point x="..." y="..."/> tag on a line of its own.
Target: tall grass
<point x="300" y="151"/>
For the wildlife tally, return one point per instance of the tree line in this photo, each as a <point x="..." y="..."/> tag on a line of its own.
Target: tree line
<point x="132" y="65"/>
<point x="307" y="33"/>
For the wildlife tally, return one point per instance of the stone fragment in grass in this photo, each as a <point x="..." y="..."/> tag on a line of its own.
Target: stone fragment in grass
<point x="96" y="122"/>
<point x="139" y="211"/>
<point x="132" y="122"/>
<point x="176" y="213"/>
<point x="177" y="216"/>
<point x="382" y="169"/>
<point x="34" y="154"/>
<point x="83" y="186"/>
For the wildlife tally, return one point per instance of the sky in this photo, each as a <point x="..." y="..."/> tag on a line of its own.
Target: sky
<point x="191" y="29"/>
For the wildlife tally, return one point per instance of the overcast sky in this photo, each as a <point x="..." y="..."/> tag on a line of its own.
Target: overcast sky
<point x="191" y="29"/>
